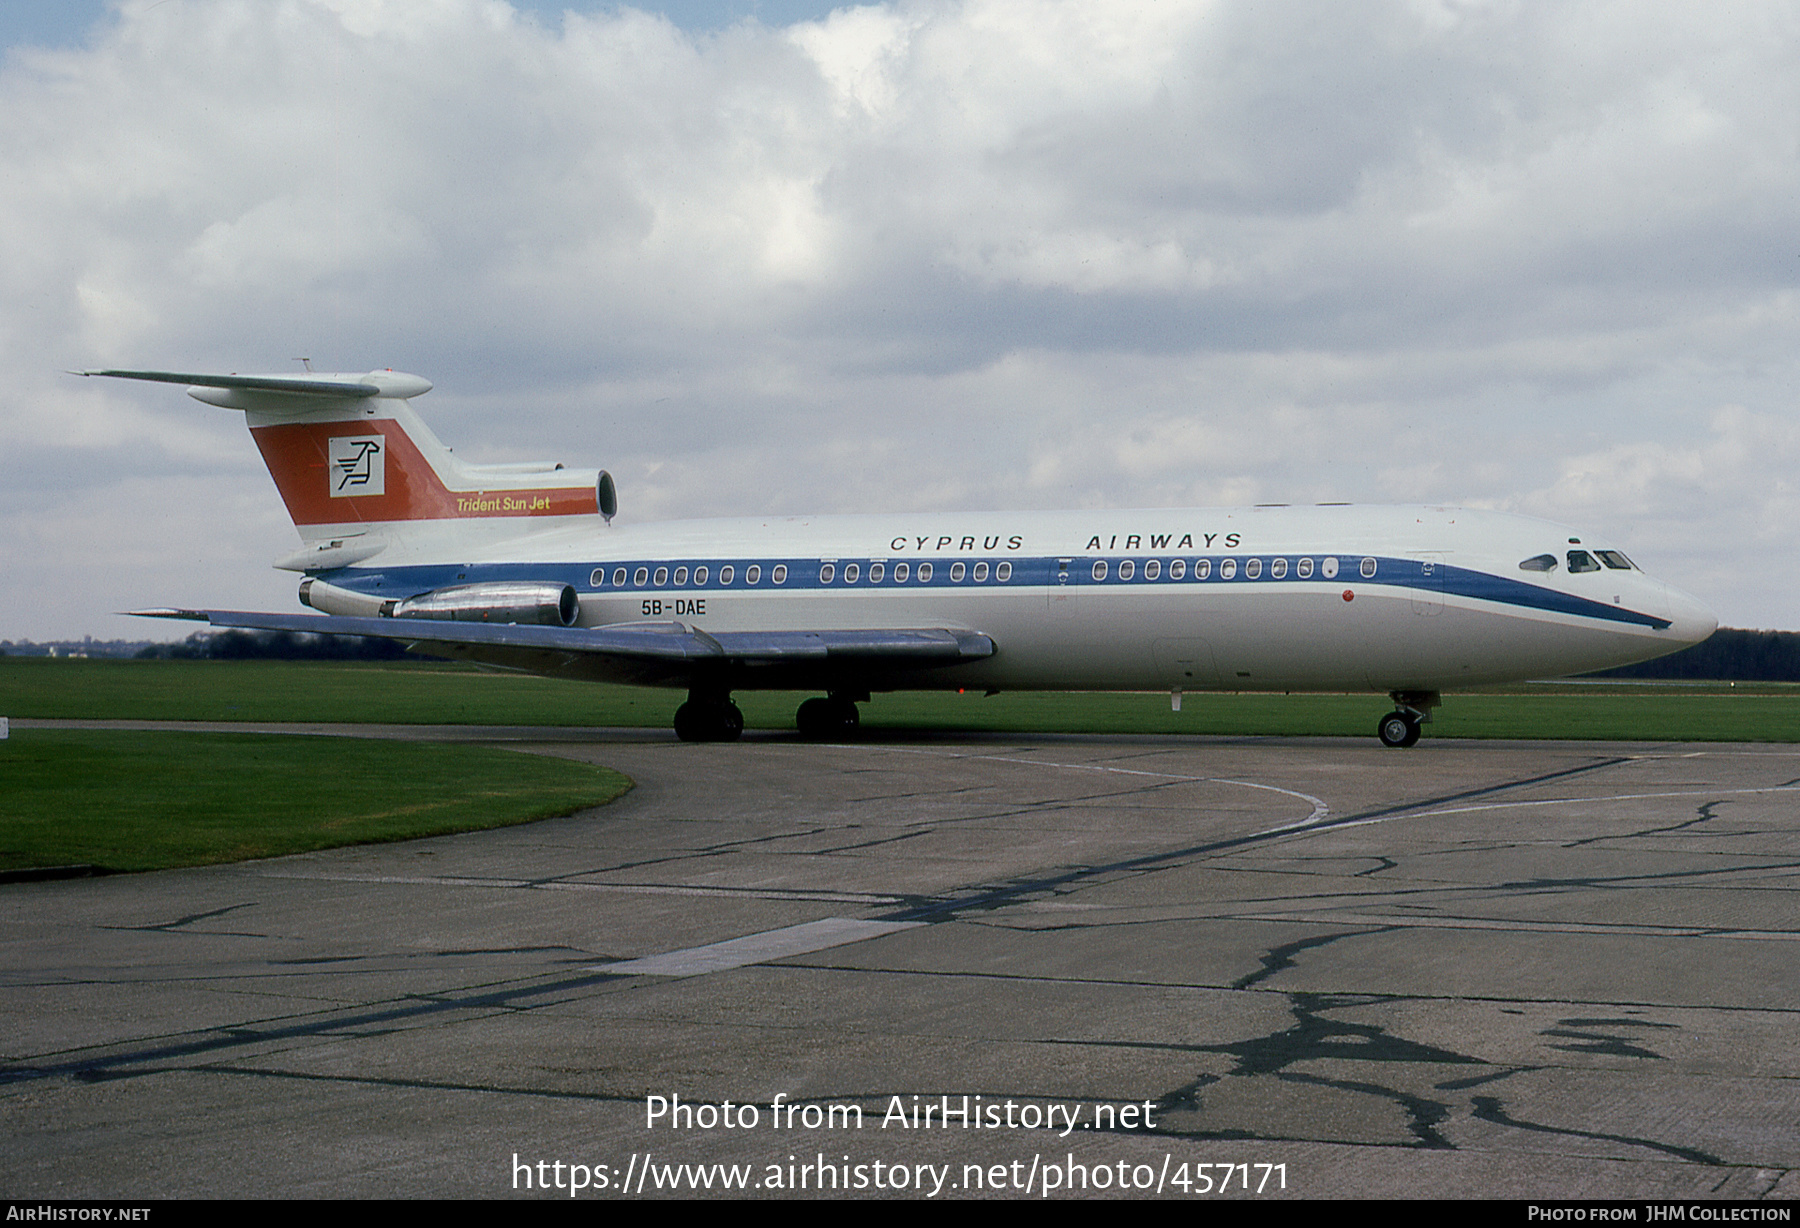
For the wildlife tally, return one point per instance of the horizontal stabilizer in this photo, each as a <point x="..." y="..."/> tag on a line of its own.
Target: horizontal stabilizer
<point x="329" y="387"/>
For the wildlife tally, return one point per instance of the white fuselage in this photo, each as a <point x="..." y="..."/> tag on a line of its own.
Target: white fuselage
<point x="1268" y="598"/>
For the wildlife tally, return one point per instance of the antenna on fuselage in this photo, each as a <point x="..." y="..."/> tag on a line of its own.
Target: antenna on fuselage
<point x="305" y="362"/>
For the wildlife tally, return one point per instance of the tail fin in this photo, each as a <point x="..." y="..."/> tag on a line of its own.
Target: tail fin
<point x="351" y="458"/>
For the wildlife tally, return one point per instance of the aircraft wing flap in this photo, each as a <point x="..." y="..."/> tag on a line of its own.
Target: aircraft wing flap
<point x="670" y="642"/>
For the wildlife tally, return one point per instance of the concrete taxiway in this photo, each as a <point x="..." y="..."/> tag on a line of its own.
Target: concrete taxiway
<point x="1506" y="969"/>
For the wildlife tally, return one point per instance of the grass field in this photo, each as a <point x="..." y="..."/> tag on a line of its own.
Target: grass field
<point x="145" y="801"/>
<point x="440" y="693"/>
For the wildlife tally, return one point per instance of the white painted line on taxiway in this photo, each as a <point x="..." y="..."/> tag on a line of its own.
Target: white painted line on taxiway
<point x="1319" y="808"/>
<point x="759" y="948"/>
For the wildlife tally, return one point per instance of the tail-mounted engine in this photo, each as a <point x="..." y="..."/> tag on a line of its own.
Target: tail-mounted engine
<point x="507" y="601"/>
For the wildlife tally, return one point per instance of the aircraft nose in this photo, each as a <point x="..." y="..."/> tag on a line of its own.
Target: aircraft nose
<point x="1689" y="621"/>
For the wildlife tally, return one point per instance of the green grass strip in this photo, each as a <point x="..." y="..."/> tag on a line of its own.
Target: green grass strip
<point x="441" y="693"/>
<point x="151" y="801"/>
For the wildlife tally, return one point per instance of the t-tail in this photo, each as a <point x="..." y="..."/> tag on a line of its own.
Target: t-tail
<point x="361" y="473"/>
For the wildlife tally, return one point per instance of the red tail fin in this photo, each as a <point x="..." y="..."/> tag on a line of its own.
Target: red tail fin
<point x="348" y="453"/>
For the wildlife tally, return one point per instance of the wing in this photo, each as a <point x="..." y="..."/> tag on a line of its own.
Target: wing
<point x="648" y="653"/>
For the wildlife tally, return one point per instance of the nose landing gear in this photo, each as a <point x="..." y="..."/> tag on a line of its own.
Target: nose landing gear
<point x="1411" y="709"/>
<point x="1398" y="729"/>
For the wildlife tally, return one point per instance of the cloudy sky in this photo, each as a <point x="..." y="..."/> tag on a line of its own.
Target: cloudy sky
<point x="774" y="257"/>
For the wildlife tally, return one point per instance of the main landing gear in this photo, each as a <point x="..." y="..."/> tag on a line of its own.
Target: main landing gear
<point x="1411" y="709"/>
<point x="709" y="717"/>
<point x="831" y="719"/>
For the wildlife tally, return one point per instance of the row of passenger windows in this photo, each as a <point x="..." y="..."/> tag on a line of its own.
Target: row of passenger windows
<point x="1228" y="568"/>
<point x="753" y="574"/>
<point x="878" y="572"/>
<point x="922" y="573"/>
<point x="778" y="574"/>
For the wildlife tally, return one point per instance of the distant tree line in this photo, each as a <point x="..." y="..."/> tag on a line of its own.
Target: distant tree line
<point x="1729" y="656"/>
<point x="273" y="646"/>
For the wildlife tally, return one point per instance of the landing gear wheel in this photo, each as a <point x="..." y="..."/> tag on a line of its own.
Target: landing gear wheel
<point x="730" y="725"/>
<point x="813" y="720"/>
<point x="1398" y="729"/>
<point x="717" y="720"/>
<point x="824" y="720"/>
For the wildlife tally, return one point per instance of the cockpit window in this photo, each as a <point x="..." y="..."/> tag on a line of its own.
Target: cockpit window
<point x="1581" y="560"/>
<point x="1614" y="560"/>
<point x="1539" y="562"/>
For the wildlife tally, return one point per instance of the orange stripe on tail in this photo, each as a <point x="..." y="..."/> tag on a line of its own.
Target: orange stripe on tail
<point x="369" y="471"/>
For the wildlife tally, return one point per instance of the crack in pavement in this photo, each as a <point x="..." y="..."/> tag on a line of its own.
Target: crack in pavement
<point x="1490" y="1109"/>
<point x="178" y="925"/>
<point x="238" y="1036"/>
<point x="999" y="897"/>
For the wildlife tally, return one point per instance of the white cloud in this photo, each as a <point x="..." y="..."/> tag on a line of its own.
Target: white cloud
<point x="928" y="254"/>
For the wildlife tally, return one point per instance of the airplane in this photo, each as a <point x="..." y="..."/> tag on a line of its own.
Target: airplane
<point x="522" y="566"/>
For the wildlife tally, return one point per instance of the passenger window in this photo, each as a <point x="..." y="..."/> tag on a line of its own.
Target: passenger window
<point x="876" y="572"/>
<point x="1152" y="569"/>
<point x="924" y="573"/>
<point x="1368" y="569"/>
<point x="1177" y="569"/>
<point x="1328" y="567"/>
<point x="901" y="570"/>
<point x="1099" y="570"/>
<point x="1581" y="560"/>
<point x="1227" y="569"/>
<point x="1127" y="569"/>
<point x="680" y="576"/>
<point x="1202" y="568"/>
<point x="726" y="572"/>
<point x="662" y="576"/>
<point x="827" y="572"/>
<point x="1003" y="572"/>
<point x="752" y="574"/>
<point x="618" y="577"/>
<point x="957" y="572"/>
<point x="598" y="579"/>
<point x="641" y="577"/>
<point x="1303" y="568"/>
<point x="1277" y="568"/>
<point x="779" y="575"/>
<point x="981" y="570"/>
<point x="1539" y="562"/>
<point x="1252" y="568"/>
<point x="851" y="572"/>
<point x="1614" y="560"/>
<point x="699" y="576"/>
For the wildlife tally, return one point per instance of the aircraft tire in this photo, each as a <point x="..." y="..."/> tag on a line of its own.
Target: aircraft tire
<point x="730" y="722"/>
<point x="690" y="722"/>
<point x="1398" y="729"/>
<point x="822" y="720"/>
<point x="721" y="721"/>
<point x="813" y="719"/>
